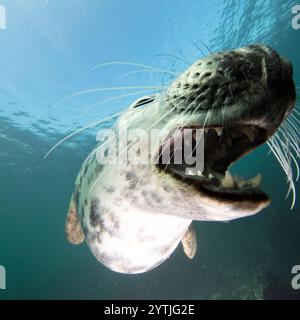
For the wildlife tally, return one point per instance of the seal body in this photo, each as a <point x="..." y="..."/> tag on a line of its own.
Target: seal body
<point x="133" y="215"/>
<point x="124" y="237"/>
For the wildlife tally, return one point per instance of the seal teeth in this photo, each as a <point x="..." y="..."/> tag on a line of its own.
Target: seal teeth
<point x="249" y="133"/>
<point x="190" y="172"/>
<point x="199" y="173"/>
<point x="256" y="181"/>
<point x="241" y="183"/>
<point x="219" y="131"/>
<point x="228" y="181"/>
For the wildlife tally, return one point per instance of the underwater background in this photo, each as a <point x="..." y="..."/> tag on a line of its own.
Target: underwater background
<point x="48" y="51"/>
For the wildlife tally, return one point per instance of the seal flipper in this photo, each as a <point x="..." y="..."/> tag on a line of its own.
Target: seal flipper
<point x="189" y="242"/>
<point x="73" y="229"/>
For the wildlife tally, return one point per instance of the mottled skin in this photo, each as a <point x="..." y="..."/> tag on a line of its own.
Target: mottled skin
<point x="134" y="216"/>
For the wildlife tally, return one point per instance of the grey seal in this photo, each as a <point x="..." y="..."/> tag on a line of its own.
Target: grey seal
<point x="135" y="215"/>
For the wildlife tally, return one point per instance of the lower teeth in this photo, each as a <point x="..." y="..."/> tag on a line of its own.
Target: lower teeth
<point x="256" y="181"/>
<point x="230" y="182"/>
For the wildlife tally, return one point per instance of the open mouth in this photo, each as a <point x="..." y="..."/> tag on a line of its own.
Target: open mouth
<point x="222" y="147"/>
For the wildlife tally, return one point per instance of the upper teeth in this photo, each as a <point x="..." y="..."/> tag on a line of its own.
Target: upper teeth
<point x="190" y="172"/>
<point x="219" y="131"/>
<point x="199" y="173"/>
<point x="193" y="172"/>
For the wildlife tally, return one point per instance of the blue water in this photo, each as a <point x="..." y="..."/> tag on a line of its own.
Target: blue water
<point x="46" y="53"/>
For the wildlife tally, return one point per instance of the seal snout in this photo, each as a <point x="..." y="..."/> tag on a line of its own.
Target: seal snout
<point x="253" y="83"/>
<point x="238" y="98"/>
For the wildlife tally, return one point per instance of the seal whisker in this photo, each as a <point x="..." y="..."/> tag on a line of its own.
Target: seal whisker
<point x="289" y="151"/>
<point x="128" y="146"/>
<point x="203" y="44"/>
<point x="131" y="64"/>
<point x="294" y="116"/>
<point x="294" y="120"/>
<point x="187" y="120"/>
<point x="78" y="93"/>
<point x="179" y="128"/>
<point x="91" y="125"/>
<point x="139" y="179"/>
<point x="293" y="135"/>
<point x="204" y="124"/>
<point x="139" y="71"/>
<point x="184" y="123"/>
<point x="164" y="115"/>
<point x="293" y="143"/>
<point x="149" y="128"/>
<point x="197" y="47"/>
<point x="197" y="142"/>
<point x="88" y="126"/>
<point x="275" y="149"/>
<point x="173" y="56"/>
<point x="284" y="144"/>
<point x="114" y="98"/>
<point x="293" y="128"/>
<point x="282" y="152"/>
<point x="288" y="156"/>
<point x="279" y="156"/>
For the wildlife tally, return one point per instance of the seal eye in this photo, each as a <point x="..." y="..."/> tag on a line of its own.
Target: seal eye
<point x="143" y="101"/>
